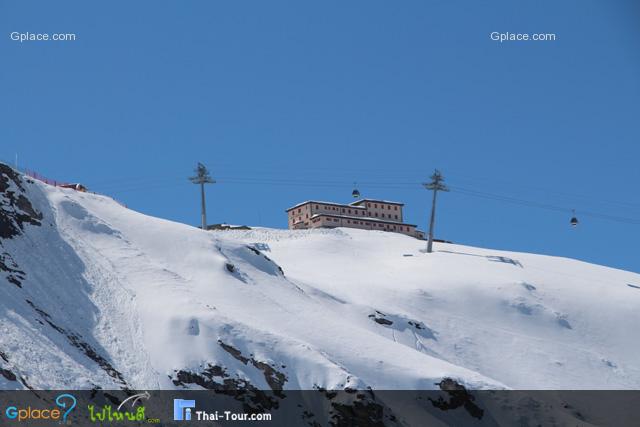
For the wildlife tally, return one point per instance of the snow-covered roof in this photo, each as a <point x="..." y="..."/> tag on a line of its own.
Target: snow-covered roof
<point x="342" y="205"/>
<point x="357" y="202"/>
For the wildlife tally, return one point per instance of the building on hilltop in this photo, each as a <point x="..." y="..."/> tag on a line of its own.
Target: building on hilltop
<point x="225" y="227"/>
<point x="365" y="214"/>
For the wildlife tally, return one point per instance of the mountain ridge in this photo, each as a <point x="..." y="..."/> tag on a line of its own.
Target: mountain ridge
<point x="99" y="296"/>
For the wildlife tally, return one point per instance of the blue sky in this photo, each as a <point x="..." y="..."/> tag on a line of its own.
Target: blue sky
<point x="288" y="101"/>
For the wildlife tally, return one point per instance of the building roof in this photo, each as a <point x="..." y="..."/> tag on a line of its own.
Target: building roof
<point x="360" y="218"/>
<point x="357" y="202"/>
<point x="342" y="205"/>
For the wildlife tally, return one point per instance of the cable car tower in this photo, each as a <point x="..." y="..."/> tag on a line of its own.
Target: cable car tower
<point x="202" y="177"/>
<point x="436" y="184"/>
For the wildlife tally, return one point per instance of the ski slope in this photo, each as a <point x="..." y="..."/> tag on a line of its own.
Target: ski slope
<point x="108" y="297"/>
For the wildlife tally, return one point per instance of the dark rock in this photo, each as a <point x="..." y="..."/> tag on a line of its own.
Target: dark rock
<point x="77" y="341"/>
<point x="8" y="265"/>
<point x="458" y="397"/>
<point x="359" y="413"/>
<point x="216" y="378"/>
<point x="8" y="374"/>
<point x="379" y="317"/>
<point x="416" y="325"/>
<point x="234" y="352"/>
<point x="15" y="209"/>
<point x="273" y="377"/>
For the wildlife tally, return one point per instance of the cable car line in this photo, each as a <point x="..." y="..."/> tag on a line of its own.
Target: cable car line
<point x="529" y="203"/>
<point x="139" y="185"/>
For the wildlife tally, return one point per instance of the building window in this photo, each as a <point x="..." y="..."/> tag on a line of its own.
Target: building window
<point x="349" y="210"/>
<point x="396" y="207"/>
<point x="375" y="205"/>
<point x="317" y="207"/>
<point x="396" y="216"/>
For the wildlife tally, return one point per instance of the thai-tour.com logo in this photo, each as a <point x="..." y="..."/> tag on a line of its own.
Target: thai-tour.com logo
<point x="185" y="410"/>
<point x="182" y="409"/>
<point x="65" y="403"/>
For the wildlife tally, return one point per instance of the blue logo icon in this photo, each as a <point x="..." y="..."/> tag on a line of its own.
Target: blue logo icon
<point x="182" y="409"/>
<point x="66" y="405"/>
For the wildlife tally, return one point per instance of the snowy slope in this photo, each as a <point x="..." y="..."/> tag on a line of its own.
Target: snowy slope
<point x="527" y="321"/>
<point x="96" y="295"/>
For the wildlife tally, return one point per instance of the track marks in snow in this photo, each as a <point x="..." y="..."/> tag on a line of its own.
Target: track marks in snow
<point x="86" y="221"/>
<point x="529" y="303"/>
<point x="194" y="327"/>
<point x="82" y="345"/>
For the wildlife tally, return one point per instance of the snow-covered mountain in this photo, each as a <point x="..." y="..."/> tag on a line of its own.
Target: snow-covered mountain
<point x="93" y="294"/>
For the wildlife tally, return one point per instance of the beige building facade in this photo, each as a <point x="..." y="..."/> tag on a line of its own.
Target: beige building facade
<point x="365" y="214"/>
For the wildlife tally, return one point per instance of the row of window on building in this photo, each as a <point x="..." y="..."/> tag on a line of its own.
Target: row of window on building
<point x="391" y="227"/>
<point x="375" y="206"/>
<point x="355" y="211"/>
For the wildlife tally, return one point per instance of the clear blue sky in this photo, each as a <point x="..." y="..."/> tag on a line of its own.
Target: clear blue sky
<point x="288" y="101"/>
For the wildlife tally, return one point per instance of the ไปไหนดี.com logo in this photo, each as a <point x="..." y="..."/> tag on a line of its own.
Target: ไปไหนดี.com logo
<point x="108" y="414"/>
<point x="65" y="404"/>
